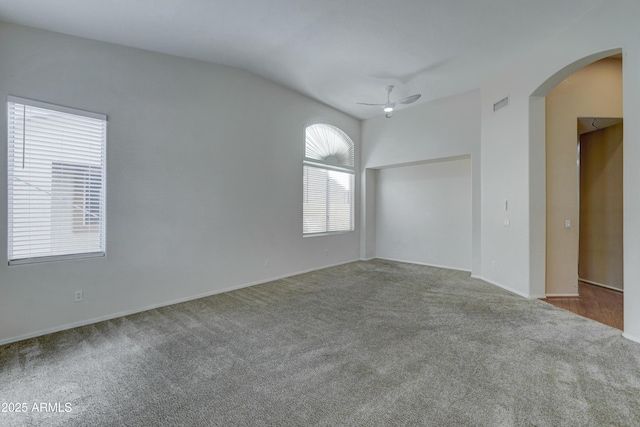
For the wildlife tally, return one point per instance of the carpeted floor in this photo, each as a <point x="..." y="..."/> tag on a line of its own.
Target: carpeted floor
<point x="364" y="344"/>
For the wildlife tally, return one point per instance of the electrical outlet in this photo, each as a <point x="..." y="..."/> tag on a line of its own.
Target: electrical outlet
<point x="78" y="296"/>
<point x="266" y="263"/>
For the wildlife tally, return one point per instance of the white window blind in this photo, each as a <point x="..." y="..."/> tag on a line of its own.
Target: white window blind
<point x="56" y="182"/>
<point x="328" y="181"/>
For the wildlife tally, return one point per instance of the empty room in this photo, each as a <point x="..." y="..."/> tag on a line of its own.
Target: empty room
<point x="304" y="212"/>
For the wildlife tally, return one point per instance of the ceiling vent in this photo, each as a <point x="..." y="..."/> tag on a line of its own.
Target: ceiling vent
<point x="501" y="104"/>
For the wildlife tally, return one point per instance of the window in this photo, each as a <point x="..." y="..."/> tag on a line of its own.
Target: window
<point x="83" y="186"/>
<point x="328" y="181"/>
<point x="56" y="182"/>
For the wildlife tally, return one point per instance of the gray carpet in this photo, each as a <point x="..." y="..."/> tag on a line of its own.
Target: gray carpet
<point x="364" y="344"/>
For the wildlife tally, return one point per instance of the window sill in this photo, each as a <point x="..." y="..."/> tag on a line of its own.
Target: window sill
<point x="330" y="233"/>
<point x="37" y="260"/>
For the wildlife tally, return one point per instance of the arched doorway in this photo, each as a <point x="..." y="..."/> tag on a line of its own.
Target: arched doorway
<point x="554" y="243"/>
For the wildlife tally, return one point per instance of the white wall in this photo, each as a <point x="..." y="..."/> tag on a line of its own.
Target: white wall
<point x="204" y="169"/>
<point x="423" y="214"/>
<point x="445" y="128"/>
<point x="512" y="157"/>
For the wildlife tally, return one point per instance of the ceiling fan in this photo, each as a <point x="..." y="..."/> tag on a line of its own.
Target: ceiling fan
<point x="390" y="106"/>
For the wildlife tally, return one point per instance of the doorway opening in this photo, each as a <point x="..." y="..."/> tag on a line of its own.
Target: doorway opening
<point x="584" y="270"/>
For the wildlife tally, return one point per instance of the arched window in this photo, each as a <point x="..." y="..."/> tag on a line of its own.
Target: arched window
<point x="328" y="180"/>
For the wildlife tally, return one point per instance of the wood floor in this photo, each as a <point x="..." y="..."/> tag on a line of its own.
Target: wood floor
<point x="600" y="304"/>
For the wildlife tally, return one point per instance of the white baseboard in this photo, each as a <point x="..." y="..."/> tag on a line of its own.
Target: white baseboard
<point x="631" y="338"/>
<point x="537" y="296"/>
<point x="500" y="285"/>
<point x="601" y="285"/>
<point x="507" y="288"/>
<point x="425" y="264"/>
<point x="154" y="306"/>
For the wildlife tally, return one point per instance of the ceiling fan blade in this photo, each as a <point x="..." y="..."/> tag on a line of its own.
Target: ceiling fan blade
<point x="375" y="105"/>
<point x="408" y="99"/>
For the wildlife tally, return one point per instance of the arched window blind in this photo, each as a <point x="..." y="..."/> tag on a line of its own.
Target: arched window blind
<point x="56" y="182"/>
<point x="328" y="180"/>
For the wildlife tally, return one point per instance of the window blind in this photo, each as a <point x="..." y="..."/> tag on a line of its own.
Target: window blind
<point x="328" y="200"/>
<point x="56" y="182"/>
<point x="328" y="181"/>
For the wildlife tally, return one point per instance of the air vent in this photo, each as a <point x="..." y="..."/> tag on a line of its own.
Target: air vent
<point x="501" y="104"/>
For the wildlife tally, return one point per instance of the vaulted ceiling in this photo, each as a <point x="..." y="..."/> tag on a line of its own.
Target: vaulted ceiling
<point x="338" y="52"/>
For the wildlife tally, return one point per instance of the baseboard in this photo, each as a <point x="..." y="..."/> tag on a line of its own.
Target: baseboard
<point x="154" y="306"/>
<point x="631" y="338"/>
<point x="506" y="288"/>
<point x="560" y="296"/>
<point x="601" y="285"/>
<point x="425" y="264"/>
<point x="500" y="285"/>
